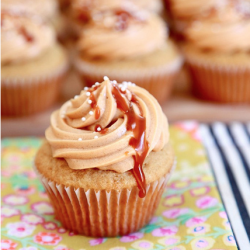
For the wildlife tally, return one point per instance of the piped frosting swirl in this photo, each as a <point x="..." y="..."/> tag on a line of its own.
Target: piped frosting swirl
<point x="120" y="34"/>
<point x="24" y="38"/>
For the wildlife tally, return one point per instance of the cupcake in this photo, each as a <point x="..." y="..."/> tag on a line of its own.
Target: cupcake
<point x="106" y="159"/>
<point x="120" y="44"/>
<point x="45" y="9"/>
<point x="217" y="54"/>
<point x="80" y="11"/>
<point x="33" y="65"/>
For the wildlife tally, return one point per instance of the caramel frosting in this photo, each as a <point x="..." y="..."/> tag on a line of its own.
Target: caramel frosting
<point x="109" y="126"/>
<point x="120" y="34"/>
<point x="226" y="30"/>
<point x="130" y="5"/>
<point x="24" y="38"/>
<point x="44" y="8"/>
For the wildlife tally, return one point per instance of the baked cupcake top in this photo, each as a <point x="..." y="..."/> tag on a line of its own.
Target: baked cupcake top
<point x="120" y="34"/>
<point x="45" y="9"/>
<point x="110" y="127"/>
<point x="224" y="30"/>
<point x="24" y="38"/>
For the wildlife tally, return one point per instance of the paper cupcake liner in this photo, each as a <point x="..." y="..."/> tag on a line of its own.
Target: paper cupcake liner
<point x="20" y="97"/>
<point x="220" y="83"/>
<point x="101" y="213"/>
<point x="158" y="80"/>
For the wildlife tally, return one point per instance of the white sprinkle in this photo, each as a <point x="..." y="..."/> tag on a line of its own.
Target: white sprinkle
<point x="87" y="93"/>
<point x="99" y="129"/>
<point x="105" y="78"/>
<point x="89" y="101"/>
<point x="86" y="88"/>
<point x="123" y="88"/>
<point x="91" y="112"/>
<point x="76" y="96"/>
<point x="95" y="137"/>
<point x="114" y="81"/>
<point x="64" y="112"/>
<point x="79" y="139"/>
<point x="97" y="83"/>
<point x="83" y="119"/>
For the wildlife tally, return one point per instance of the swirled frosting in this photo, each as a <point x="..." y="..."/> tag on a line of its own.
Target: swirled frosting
<point x="24" y="38"/>
<point x="226" y="30"/>
<point x="116" y="35"/>
<point x="43" y="8"/>
<point x="100" y="5"/>
<point x="99" y="128"/>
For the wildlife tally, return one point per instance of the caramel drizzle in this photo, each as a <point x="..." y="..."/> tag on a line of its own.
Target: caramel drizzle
<point x="97" y="110"/>
<point x="136" y="124"/>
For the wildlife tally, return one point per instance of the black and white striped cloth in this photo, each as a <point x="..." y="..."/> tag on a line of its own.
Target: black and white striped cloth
<point x="228" y="150"/>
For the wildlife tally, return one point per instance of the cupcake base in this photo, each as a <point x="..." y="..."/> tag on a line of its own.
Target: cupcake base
<point x="220" y="78"/>
<point x="33" y="86"/>
<point x="155" y="72"/>
<point x="108" y="206"/>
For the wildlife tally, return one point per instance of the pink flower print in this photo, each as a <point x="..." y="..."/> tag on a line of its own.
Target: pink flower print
<point x="96" y="242"/>
<point x="14" y="200"/>
<point x="229" y="240"/>
<point x="32" y="219"/>
<point x="62" y="247"/>
<point x="173" y="200"/>
<point x="175" y="212"/>
<point x="153" y="220"/>
<point x="42" y="207"/>
<point x="206" y="202"/>
<point x="195" y="221"/>
<point x="61" y="230"/>
<point x="169" y="240"/>
<point x="223" y="214"/>
<point x="9" y="212"/>
<point x="43" y="194"/>
<point x="6" y="173"/>
<point x="30" y="174"/>
<point x="28" y="248"/>
<point x="199" y="229"/>
<point x="165" y="231"/>
<point x="8" y="245"/>
<point x="131" y="237"/>
<point x="45" y="238"/>
<point x="180" y="184"/>
<point x="204" y="243"/>
<point x="50" y="225"/>
<point x="196" y="192"/>
<point x="25" y="190"/>
<point x="143" y="244"/>
<point x="20" y="229"/>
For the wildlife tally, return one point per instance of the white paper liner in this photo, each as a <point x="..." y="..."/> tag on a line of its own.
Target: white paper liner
<point x="101" y="213"/>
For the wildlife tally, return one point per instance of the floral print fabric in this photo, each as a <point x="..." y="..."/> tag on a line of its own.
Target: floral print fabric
<point x="190" y="215"/>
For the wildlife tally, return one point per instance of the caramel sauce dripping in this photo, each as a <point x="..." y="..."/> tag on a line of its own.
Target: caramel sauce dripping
<point x="97" y="110"/>
<point x="137" y="124"/>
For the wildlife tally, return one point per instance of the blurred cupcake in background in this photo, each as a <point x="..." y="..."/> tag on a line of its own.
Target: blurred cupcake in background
<point x="47" y="10"/>
<point x="80" y="11"/>
<point x="33" y="64"/>
<point x="218" y="53"/>
<point x="131" y="46"/>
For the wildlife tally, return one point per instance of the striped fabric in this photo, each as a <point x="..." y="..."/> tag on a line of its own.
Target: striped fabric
<point x="228" y="149"/>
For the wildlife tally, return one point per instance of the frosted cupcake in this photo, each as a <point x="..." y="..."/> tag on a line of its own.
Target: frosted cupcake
<point x="121" y="45"/>
<point x="106" y="159"/>
<point x="217" y="53"/>
<point x="80" y="11"/>
<point x="33" y="65"/>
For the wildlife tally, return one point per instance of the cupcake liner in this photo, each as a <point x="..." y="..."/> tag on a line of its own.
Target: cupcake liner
<point x="104" y="213"/>
<point x="20" y="97"/>
<point x="224" y="84"/>
<point x="157" y="80"/>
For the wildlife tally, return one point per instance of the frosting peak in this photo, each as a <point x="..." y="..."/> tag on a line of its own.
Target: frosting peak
<point x="109" y="126"/>
<point x="120" y="34"/>
<point x="23" y="38"/>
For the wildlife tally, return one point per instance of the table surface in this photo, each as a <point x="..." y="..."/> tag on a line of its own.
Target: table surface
<point x="181" y="106"/>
